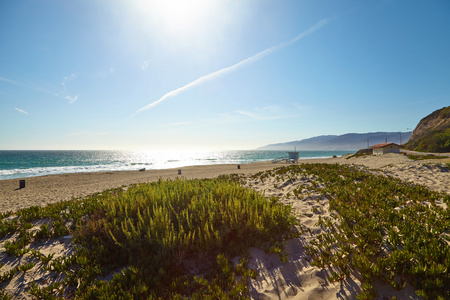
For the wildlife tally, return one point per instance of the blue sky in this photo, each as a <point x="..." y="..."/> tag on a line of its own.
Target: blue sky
<point x="208" y="74"/>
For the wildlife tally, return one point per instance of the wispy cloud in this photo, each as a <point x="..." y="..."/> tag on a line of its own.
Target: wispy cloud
<point x="32" y="86"/>
<point x="40" y="89"/>
<point x="264" y="113"/>
<point x="234" y="67"/>
<point x="68" y="79"/>
<point x="246" y="113"/>
<point x="145" y="64"/>
<point x="299" y="106"/>
<point x="9" y="81"/>
<point x="22" y="111"/>
<point x="71" y="99"/>
<point x="64" y="82"/>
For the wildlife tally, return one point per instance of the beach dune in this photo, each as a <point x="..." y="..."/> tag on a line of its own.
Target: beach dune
<point x="295" y="279"/>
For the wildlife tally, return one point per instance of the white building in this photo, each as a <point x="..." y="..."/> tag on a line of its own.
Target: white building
<point x="379" y="149"/>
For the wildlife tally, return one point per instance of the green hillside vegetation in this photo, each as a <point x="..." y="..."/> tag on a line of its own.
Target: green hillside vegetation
<point x="434" y="140"/>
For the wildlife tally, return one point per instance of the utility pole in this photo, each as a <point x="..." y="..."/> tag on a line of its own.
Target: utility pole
<point x="410" y="137"/>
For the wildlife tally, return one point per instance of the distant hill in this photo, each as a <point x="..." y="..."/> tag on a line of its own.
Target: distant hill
<point x="349" y="141"/>
<point x="432" y="134"/>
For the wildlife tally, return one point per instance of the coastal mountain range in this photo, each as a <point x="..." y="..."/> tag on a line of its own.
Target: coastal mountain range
<point x="349" y="141"/>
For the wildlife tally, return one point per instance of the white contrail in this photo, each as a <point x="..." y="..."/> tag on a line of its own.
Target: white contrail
<point x="21" y="110"/>
<point x="9" y="80"/>
<point x="246" y="61"/>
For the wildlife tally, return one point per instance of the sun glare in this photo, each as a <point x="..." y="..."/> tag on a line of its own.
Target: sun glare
<point x="178" y="16"/>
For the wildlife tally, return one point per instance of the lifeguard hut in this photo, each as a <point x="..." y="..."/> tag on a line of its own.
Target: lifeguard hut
<point x="293" y="156"/>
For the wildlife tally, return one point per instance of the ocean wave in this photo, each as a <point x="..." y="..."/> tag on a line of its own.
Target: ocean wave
<point x="20" y="164"/>
<point x="42" y="171"/>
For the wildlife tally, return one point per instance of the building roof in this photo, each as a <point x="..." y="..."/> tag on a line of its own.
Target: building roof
<point x="383" y="145"/>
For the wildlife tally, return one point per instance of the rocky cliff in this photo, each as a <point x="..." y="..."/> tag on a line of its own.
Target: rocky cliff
<point x="432" y="134"/>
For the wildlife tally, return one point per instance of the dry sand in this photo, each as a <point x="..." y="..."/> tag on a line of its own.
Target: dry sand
<point x="53" y="188"/>
<point x="296" y="279"/>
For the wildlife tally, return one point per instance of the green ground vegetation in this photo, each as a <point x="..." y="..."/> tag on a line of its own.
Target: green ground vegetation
<point x="379" y="229"/>
<point x="382" y="229"/>
<point x="144" y="235"/>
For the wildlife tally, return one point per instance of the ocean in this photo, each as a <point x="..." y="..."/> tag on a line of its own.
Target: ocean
<point x="20" y="164"/>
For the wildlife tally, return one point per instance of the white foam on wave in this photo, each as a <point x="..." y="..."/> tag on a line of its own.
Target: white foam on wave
<point x="42" y="171"/>
<point x="160" y="160"/>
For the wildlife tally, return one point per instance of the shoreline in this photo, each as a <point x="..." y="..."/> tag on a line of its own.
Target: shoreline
<point x="65" y="162"/>
<point x="42" y="190"/>
<point x="442" y="157"/>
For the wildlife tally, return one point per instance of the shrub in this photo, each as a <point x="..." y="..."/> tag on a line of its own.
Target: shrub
<point x="383" y="231"/>
<point x="150" y="228"/>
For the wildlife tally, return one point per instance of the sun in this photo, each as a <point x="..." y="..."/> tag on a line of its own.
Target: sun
<point x="178" y="16"/>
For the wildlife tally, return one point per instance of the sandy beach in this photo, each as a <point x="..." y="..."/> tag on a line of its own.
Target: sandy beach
<point x="53" y="188"/>
<point x="296" y="279"/>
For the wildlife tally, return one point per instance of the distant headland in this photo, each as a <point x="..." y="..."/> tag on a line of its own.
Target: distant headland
<point x="349" y="141"/>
